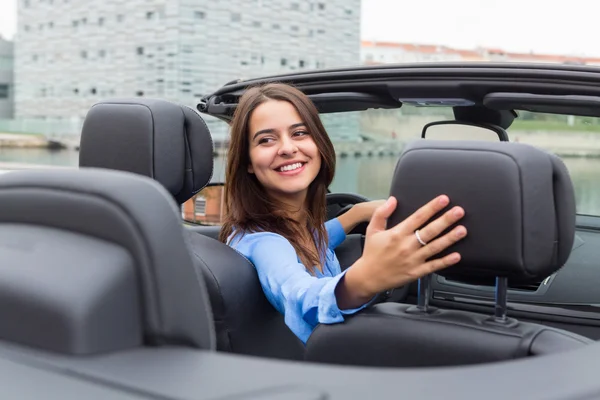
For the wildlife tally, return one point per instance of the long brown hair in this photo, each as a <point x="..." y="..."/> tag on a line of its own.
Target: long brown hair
<point x="248" y="207"/>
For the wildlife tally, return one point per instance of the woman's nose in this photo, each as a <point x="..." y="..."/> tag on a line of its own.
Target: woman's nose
<point x="287" y="147"/>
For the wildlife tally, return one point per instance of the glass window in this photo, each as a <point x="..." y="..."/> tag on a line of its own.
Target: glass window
<point x="4" y="93"/>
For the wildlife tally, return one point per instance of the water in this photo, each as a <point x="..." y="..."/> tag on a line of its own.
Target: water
<point x="369" y="176"/>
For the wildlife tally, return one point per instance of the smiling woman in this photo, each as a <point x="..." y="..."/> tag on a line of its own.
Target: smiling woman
<point x="280" y="163"/>
<point x="283" y="156"/>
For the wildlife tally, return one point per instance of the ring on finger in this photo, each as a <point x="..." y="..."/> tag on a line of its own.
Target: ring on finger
<point x="423" y="243"/>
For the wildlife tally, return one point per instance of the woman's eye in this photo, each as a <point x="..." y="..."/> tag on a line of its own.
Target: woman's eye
<point x="300" y="133"/>
<point x="265" y="140"/>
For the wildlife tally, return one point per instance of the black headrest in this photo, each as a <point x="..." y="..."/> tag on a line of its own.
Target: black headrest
<point x="95" y="260"/>
<point x="519" y="203"/>
<point x="155" y="138"/>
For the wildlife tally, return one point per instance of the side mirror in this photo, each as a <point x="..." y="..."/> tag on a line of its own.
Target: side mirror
<point x="458" y="130"/>
<point x="206" y="207"/>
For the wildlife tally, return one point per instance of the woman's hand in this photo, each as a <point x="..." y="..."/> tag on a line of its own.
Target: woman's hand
<point x="360" y="212"/>
<point x="394" y="257"/>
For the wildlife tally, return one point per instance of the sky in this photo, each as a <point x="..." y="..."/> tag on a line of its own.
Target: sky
<point x="541" y="26"/>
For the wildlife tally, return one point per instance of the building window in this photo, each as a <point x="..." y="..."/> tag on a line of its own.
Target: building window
<point x="321" y="31"/>
<point x="276" y="26"/>
<point x="3" y="91"/>
<point x="348" y="11"/>
<point x="50" y="25"/>
<point x="120" y="18"/>
<point x="200" y="206"/>
<point x="26" y="3"/>
<point x="321" y="6"/>
<point x="199" y="14"/>
<point x="101" y="53"/>
<point x="75" y="24"/>
<point x="83" y="54"/>
<point x="93" y="91"/>
<point x="150" y="15"/>
<point x="26" y="28"/>
<point x="256" y="24"/>
<point x="139" y="93"/>
<point x="294" y="28"/>
<point x="100" y="21"/>
<point x="283" y="62"/>
<point x="76" y="91"/>
<point x="84" y="21"/>
<point x="140" y="51"/>
<point x="295" y="6"/>
<point x="236" y="17"/>
<point x="301" y="63"/>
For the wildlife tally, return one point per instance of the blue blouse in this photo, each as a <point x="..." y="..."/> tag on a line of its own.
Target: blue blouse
<point x="304" y="300"/>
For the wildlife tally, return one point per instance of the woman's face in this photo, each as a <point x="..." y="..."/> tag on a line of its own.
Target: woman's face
<point x="283" y="155"/>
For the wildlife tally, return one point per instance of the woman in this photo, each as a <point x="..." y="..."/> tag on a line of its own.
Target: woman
<point x="280" y="163"/>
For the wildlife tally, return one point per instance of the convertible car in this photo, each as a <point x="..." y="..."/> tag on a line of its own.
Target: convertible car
<point x="106" y="292"/>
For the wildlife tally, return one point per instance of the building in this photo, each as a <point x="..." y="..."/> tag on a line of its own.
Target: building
<point x="205" y="208"/>
<point x="6" y="79"/>
<point x="73" y="53"/>
<point x="396" y="53"/>
<point x="373" y="52"/>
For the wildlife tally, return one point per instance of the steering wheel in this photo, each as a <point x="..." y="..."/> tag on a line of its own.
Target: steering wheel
<point x="339" y="203"/>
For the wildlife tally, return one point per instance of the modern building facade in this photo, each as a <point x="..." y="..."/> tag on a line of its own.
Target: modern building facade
<point x="72" y="53"/>
<point x="6" y="79"/>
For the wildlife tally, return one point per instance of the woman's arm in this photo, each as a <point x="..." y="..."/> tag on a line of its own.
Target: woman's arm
<point x="293" y="291"/>
<point x="361" y="212"/>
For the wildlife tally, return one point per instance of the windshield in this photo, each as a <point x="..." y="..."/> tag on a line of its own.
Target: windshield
<point x="385" y="132"/>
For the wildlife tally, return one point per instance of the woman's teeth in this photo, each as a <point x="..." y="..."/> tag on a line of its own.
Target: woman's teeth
<point x="290" y="167"/>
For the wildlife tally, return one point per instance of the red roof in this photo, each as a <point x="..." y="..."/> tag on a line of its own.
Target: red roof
<point x="480" y="54"/>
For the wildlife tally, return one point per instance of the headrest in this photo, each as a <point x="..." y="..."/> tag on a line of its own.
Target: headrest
<point x="94" y="260"/>
<point x="518" y="200"/>
<point x="164" y="141"/>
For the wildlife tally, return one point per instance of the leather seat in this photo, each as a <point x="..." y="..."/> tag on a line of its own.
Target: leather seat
<point x="84" y="270"/>
<point x="520" y="217"/>
<point x="172" y="144"/>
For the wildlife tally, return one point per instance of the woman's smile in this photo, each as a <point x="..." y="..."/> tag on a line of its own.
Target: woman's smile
<point x="291" y="169"/>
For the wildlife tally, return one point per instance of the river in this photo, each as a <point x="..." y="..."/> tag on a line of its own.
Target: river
<point x="369" y="176"/>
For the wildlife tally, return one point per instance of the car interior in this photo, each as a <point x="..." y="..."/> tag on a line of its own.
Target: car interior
<point x="105" y="290"/>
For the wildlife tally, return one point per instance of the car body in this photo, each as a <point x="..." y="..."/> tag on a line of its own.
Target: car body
<point x="480" y="94"/>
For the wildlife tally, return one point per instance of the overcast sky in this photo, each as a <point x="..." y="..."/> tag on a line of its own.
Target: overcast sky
<point x="565" y="27"/>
